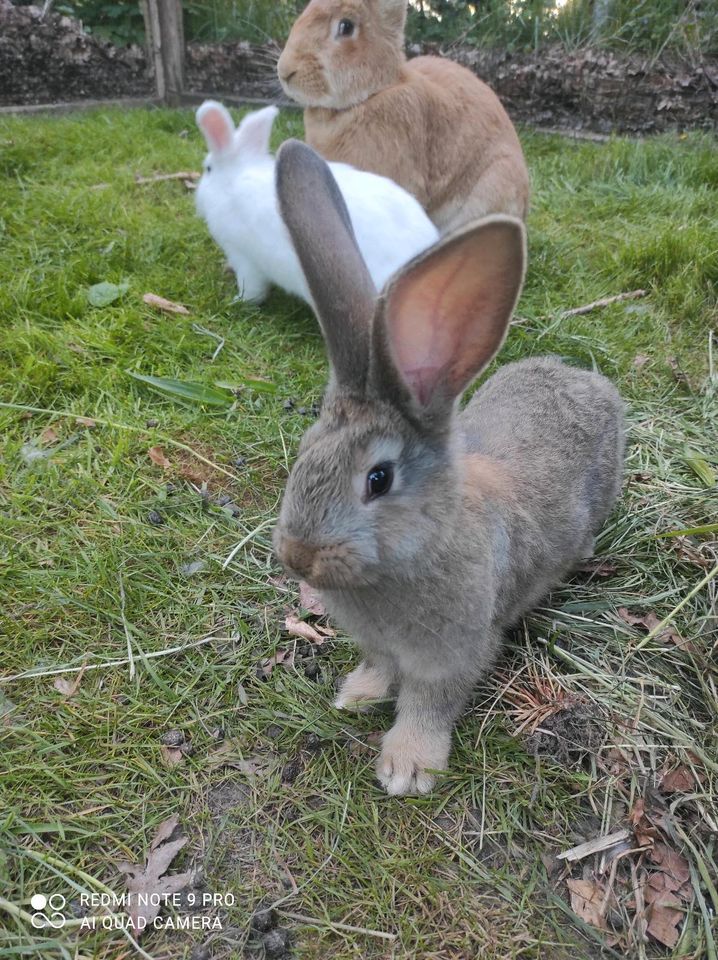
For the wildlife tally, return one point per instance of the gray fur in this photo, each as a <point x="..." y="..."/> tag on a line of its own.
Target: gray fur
<point x="427" y="577"/>
<point x="318" y="221"/>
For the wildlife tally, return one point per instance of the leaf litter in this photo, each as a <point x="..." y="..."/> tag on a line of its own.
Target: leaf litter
<point x="152" y="882"/>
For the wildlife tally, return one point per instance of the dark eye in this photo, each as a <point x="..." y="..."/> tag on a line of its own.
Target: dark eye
<point x="207" y="167"/>
<point x="345" y="28"/>
<point x="379" y="480"/>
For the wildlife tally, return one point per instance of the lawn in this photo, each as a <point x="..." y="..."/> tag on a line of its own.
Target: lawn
<point x="147" y="671"/>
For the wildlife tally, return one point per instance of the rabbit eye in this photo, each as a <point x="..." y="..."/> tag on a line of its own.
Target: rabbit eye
<point x="379" y="480"/>
<point x="345" y="28"/>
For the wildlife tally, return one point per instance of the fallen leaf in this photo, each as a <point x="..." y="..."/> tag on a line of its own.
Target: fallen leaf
<point x="640" y="360"/>
<point x="167" y="306"/>
<point x="680" y="780"/>
<point x="300" y="628"/>
<point x="103" y="294"/>
<point x="49" y="435"/>
<point x="283" y="658"/>
<point x="157" y="456"/>
<point x="670" y="862"/>
<point x="689" y="553"/>
<point x="649" y="622"/>
<point x="68" y="688"/>
<point x="587" y="901"/>
<point x="310" y="600"/>
<point x="85" y="422"/>
<point x="172" y="756"/>
<point x="152" y="881"/>
<point x="664" y="909"/>
<point x="644" y="828"/>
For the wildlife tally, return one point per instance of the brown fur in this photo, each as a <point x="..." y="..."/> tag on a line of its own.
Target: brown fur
<point x="428" y="123"/>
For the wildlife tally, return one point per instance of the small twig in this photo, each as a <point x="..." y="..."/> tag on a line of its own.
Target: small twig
<point x="594" y="846"/>
<point x="159" y="177"/>
<point x="604" y="302"/>
<point x="331" y="925"/>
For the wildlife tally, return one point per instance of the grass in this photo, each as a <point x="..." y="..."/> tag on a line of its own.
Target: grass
<point x="277" y="797"/>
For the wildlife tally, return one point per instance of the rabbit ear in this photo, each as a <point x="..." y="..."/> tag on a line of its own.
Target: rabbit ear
<point x="318" y="221"/>
<point x="444" y="316"/>
<point x="216" y="124"/>
<point x="393" y="13"/>
<point x="253" y="133"/>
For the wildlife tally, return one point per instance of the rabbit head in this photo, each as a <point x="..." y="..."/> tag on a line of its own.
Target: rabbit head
<point x="376" y="480"/>
<point x="339" y="52"/>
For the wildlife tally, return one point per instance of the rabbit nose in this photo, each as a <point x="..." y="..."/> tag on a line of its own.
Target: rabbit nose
<point x="297" y="555"/>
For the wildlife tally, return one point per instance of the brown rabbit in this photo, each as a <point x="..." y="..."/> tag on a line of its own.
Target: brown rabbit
<point x="427" y="123"/>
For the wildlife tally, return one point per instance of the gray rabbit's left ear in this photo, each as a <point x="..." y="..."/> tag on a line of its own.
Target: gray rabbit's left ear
<point x="445" y="315"/>
<point x="318" y="221"/>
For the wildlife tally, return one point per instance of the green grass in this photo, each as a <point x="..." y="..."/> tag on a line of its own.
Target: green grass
<point x="285" y="807"/>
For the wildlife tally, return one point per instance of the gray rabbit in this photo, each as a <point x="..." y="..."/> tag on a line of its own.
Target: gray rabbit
<point x="427" y="530"/>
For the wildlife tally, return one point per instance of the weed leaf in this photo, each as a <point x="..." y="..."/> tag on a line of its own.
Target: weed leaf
<point x="103" y="294"/>
<point x="187" y="390"/>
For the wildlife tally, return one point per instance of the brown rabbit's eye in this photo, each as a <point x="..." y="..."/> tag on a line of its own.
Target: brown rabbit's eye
<point x="379" y="480"/>
<point x="345" y="28"/>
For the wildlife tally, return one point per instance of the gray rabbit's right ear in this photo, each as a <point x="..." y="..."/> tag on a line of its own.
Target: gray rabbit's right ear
<point x="318" y="221"/>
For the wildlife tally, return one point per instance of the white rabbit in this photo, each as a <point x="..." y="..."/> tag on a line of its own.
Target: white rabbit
<point x="236" y="196"/>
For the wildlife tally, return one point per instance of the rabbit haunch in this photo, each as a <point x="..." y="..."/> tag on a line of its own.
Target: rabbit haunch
<point x="478" y="513"/>
<point x="428" y="123"/>
<point x="236" y="196"/>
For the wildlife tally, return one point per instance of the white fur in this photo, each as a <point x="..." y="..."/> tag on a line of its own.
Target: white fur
<point x="237" y="199"/>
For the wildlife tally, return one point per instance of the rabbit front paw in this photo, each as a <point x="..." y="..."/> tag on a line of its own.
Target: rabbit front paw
<point x="365" y="683"/>
<point x="406" y="757"/>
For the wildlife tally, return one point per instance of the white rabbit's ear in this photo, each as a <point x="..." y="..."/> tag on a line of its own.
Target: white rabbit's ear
<point x="254" y="131"/>
<point x="216" y="124"/>
<point x="444" y="316"/>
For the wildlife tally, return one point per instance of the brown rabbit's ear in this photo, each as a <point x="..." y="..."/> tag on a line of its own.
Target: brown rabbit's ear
<point x="318" y="221"/>
<point x="444" y="316"/>
<point x="393" y="13"/>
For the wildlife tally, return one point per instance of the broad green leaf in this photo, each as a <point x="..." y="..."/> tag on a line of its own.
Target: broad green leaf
<point x="103" y="294"/>
<point x="700" y="467"/>
<point x="187" y="390"/>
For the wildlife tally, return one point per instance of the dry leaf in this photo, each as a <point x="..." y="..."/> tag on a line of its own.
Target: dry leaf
<point x="310" y="600"/>
<point x="672" y="863"/>
<point x="48" y="435"/>
<point x="689" y="553"/>
<point x="167" y="306"/>
<point x="640" y="360"/>
<point x="68" y="688"/>
<point x="680" y="780"/>
<point x="283" y="658"/>
<point x="172" y="756"/>
<point x="649" y="621"/>
<point x="587" y="901"/>
<point x="157" y="455"/>
<point x="152" y="879"/>
<point x="85" y="422"/>
<point x="300" y="628"/>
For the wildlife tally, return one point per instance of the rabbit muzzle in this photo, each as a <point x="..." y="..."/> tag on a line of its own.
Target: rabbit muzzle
<point x="332" y="565"/>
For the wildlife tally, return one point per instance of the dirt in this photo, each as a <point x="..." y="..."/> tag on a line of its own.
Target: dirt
<point x="46" y="60"/>
<point x="568" y="736"/>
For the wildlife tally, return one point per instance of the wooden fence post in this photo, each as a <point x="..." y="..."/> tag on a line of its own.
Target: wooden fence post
<point x="165" y="42"/>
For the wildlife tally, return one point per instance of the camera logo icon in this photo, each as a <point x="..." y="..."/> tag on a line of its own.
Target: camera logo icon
<point x="48" y="911"/>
